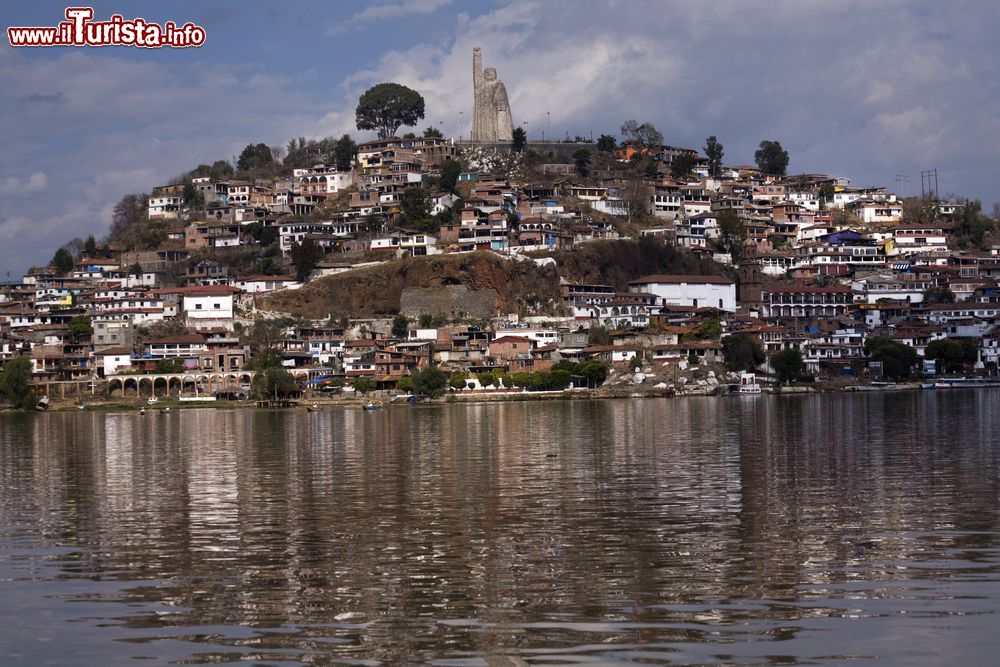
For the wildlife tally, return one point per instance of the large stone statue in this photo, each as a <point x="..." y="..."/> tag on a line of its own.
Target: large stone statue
<point x="491" y="121"/>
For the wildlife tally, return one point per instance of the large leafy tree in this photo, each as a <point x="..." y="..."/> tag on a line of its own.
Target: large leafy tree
<point x="62" y="261"/>
<point x="386" y="106"/>
<point x="305" y="256"/>
<point x="732" y="233"/>
<point x="788" y="365"/>
<point x="771" y="158"/>
<point x="581" y="160"/>
<point x="415" y="209"/>
<point x="255" y="156"/>
<point x="431" y="381"/>
<point x="897" y="359"/>
<point x="518" y="139"/>
<point x="714" y="152"/>
<point x="343" y="153"/>
<point x="645" y="135"/>
<point x="682" y="165"/>
<point x="450" y="171"/>
<point x="14" y="378"/>
<point x="742" y="352"/>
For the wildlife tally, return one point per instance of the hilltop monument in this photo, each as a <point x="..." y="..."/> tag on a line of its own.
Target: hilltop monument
<point x="491" y="121"/>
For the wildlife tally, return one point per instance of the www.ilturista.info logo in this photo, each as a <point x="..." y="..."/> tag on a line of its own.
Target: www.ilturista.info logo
<point x="80" y="30"/>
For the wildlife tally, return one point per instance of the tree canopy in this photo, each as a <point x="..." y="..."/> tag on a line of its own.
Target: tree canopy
<point x="771" y="158"/>
<point x="714" y="152"/>
<point x="305" y="256"/>
<point x="518" y="140"/>
<point x="450" y="171"/>
<point x="682" y="165"/>
<point x="897" y="359"/>
<point x="254" y="157"/>
<point x="343" y="153"/>
<point x="14" y="378"/>
<point x="415" y="209"/>
<point x="742" y="352"/>
<point x="645" y="135"/>
<point x="62" y="261"/>
<point x="387" y="106"/>
<point x="788" y="365"/>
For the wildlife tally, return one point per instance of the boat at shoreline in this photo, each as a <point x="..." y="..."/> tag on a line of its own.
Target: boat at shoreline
<point x="966" y="383"/>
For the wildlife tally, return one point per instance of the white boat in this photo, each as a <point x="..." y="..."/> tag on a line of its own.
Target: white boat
<point x="966" y="383"/>
<point x="748" y="384"/>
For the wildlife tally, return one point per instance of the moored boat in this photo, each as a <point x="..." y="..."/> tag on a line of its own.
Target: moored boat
<point x="966" y="383"/>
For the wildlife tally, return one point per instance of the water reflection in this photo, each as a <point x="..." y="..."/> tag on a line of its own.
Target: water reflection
<point x="812" y="529"/>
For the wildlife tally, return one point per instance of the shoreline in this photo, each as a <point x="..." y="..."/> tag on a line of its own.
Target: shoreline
<point x="476" y="396"/>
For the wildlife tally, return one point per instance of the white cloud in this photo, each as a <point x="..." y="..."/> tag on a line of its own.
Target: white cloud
<point x="392" y="10"/>
<point x="13" y="186"/>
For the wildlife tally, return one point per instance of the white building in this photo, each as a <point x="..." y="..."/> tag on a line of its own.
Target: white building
<point x="696" y="291"/>
<point x="164" y="207"/>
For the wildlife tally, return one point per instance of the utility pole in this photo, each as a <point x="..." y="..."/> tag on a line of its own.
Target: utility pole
<point x="901" y="179"/>
<point x="929" y="184"/>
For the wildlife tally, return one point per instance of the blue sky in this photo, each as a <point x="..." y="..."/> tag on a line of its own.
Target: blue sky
<point x="854" y="88"/>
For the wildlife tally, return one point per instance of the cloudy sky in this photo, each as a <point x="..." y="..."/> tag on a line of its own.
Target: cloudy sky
<point x="855" y="88"/>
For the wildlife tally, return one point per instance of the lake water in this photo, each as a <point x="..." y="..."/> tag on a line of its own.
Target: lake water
<point x="749" y="531"/>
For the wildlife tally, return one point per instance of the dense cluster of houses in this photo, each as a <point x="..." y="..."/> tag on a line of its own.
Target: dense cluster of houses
<point x="823" y="266"/>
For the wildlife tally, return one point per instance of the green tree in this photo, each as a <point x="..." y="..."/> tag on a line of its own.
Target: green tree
<point x="645" y="135"/>
<point x="264" y="359"/>
<point x="594" y="372"/>
<point x="433" y="133"/>
<point x="400" y="326"/>
<point x="606" y="143"/>
<point x="732" y="233"/>
<point x="343" y="153"/>
<point x="274" y="381"/>
<point x="897" y="359"/>
<point x="714" y="152"/>
<point x="405" y="384"/>
<point x="826" y="192"/>
<point x="415" y="209"/>
<point x="254" y="157"/>
<point x="948" y="352"/>
<point x="386" y="106"/>
<point x="169" y="366"/>
<point x="682" y="165"/>
<point x="305" y="256"/>
<point x="364" y="385"/>
<point x="458" y="380"/>
<point x="90" y="247"/>
<point x="80" y="327"/>
<point x="581" y="160"/>
<point x="518" y="139"/>
<point x="486" y="379"/>
<point x="710" y="329"/>
<point x="15" y="377"/>
<point x="220" y="170"/>
<point x="742" y="352"/>
<point x="788" y="365"/>
<point x="431" y="381"/>
<point x="62" y="261"/>
<point x="598" y="335"/>
<point x="450" y="171"/>
<point x="771" y="158"/>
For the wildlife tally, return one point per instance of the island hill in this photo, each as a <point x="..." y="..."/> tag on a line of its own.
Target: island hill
<point x="415" y="263"/>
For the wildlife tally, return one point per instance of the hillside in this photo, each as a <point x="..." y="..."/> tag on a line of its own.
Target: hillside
<point x="521" y="286"/>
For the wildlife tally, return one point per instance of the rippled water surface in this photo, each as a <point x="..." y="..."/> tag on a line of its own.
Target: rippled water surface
<point x="755" y="530"/>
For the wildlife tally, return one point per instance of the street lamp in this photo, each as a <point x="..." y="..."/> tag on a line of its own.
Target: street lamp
<point x="460" y="126"/>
